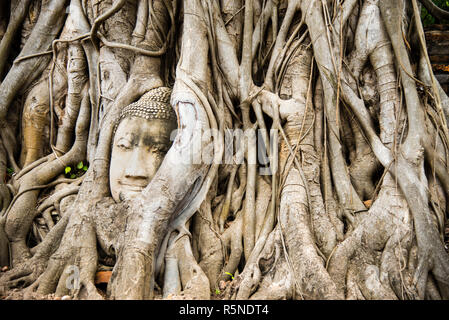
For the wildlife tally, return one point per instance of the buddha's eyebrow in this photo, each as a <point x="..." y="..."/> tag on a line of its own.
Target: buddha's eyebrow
<point x="149" y="140"/>
<point x="129" y="136"/>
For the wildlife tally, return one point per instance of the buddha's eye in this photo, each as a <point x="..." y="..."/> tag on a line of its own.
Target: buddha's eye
<point x="124" y="144"/>
<point x="160" y="148"/>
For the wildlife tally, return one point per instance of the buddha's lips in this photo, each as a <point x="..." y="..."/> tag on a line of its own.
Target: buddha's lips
<point x="132" y="187"/>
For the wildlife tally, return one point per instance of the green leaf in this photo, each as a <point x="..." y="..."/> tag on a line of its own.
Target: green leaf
<point x="67" y="170"/>
<point x="85" y="168"/>
<point x="232" y="277"/>
<point x="80" y="165"/>
<point x="217" y="291"/>
<point x="72" y="176"/>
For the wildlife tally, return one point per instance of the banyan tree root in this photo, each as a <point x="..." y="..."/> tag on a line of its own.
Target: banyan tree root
<point x="18" y="14"/>
<point x="193" y="282"/>
<point x="27" y="272"/>
<point x="48" y="26"/>
<point x="20" y="216"/>
<point x="36" y="114"/>
<point x="299" y="248"/>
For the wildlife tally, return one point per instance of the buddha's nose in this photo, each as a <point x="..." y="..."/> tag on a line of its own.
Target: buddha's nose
<point x="135" y="169"/>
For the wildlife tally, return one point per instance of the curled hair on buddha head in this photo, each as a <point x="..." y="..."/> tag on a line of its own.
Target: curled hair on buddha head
<point x="154" y="104"/>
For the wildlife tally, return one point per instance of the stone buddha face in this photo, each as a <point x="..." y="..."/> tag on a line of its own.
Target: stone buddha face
<point x="141" y="140"/>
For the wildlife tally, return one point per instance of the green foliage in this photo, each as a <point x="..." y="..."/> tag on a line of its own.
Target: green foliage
<point x="10" y="171"/>
<point x="230" y="274"/>
<point x="217" y="291"/>
<point x="428" y="19"/>
<point x="77" y="171"/>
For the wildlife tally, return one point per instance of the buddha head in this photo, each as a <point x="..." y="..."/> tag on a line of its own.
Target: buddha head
<point x="141" y="140"/>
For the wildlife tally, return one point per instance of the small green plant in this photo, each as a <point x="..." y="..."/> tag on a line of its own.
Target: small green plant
<point x="10" y="171"/>
<point x="217" y="291"/>
<point x="76" y="171"/>
<point x="230" y="274"/>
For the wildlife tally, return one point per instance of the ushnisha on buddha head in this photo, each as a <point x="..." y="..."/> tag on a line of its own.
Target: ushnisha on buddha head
<point x="141" y="140"/>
